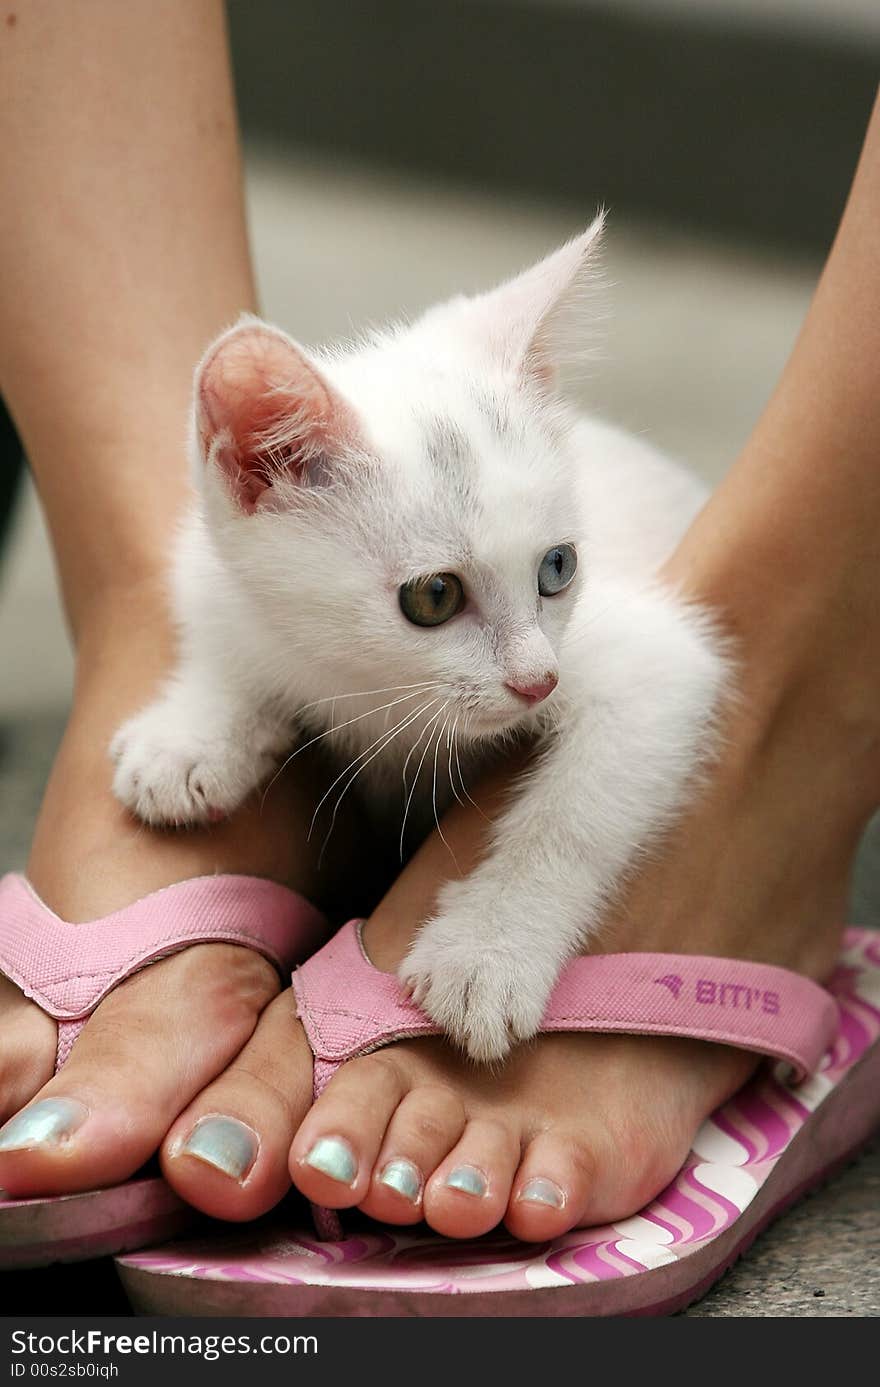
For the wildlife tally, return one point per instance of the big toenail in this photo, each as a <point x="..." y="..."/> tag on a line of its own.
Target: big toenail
<point x="47" y="1123"/>
<point x="467" y="1179"/>
<point x="225" y="1143"/>
<point x="404" y="1177"/>
<point x="541" y="1191"/>
<point x="333" y="1157"/>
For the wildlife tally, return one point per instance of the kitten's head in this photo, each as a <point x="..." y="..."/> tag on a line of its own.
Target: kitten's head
<point x="402" y="512"/>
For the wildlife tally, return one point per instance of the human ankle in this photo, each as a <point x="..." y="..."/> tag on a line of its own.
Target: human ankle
<point x="801" y="633"/>
<point x="128" y="610"/>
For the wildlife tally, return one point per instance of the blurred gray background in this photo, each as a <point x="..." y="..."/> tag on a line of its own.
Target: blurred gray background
<point x="402" y="150"/>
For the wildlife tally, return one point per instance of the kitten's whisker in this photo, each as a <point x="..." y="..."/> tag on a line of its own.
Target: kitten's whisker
<point x="328" y="732"/>
<point x="367" y="693"/>
<point x="419" y="769"/>
<point x="408" y="759"/>
<point x="443" y="729"/>
<point x="407" y="798"/>
<point x="450" y="744"/>
<point x="408" y="717"/>
<point x="467" y="793"/>
<point x="389" y="738"/>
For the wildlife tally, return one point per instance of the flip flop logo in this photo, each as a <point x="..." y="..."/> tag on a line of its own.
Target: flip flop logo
<point x="673" y="982"/>
<point x="736" y="995"/>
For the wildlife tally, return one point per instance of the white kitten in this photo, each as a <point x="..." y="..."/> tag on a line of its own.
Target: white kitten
<point x="417" y="539"/>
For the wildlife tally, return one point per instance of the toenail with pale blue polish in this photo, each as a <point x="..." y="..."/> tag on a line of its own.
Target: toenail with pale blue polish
<point x="467" y="1179"/>
<point x="333" y="1157"/>
<point x="404" y="1177"/>
<point x="47" y="1123"/>
<point x="541" y="1191"/>
<point x="225" y="1143"/>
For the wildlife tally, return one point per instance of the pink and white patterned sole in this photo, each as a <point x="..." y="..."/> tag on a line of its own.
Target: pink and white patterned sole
<point x="756" y="1155"/>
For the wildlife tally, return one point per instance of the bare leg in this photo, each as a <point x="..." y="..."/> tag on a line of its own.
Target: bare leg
<point x="122" y="252"/>
<point x="788" y="554"/>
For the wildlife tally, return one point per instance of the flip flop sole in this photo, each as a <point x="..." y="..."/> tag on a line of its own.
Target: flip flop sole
<point x="753" y="1158"/>
<point x="98" y="1223"/>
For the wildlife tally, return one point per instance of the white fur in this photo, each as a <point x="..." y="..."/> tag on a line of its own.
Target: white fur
<point x="290" y="624"/>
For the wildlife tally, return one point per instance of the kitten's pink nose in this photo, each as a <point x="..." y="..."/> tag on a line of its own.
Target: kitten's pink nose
<point x="537" y="692"/>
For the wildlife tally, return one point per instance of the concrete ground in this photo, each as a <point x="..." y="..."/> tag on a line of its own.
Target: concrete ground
<point x="694" y="337"/>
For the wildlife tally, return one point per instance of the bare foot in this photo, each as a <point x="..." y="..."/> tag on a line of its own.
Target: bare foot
<point x="168" y="1031"/>
<point x="574" y="1129"/>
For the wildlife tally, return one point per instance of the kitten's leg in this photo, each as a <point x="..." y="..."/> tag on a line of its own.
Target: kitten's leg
<point x="194" y="754"/>
<point x="639" y="708"/>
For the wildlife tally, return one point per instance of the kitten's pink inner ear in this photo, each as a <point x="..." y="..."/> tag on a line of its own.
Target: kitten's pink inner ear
<point x="264" y="409"/>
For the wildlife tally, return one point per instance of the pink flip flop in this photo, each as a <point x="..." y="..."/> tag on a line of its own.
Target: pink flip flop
<point x="67" y="970"/>
<point x="790" y="1126"/>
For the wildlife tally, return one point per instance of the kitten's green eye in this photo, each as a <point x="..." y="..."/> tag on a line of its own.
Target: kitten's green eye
<point x="431" y="601"/>
<point x="557" y="569"/>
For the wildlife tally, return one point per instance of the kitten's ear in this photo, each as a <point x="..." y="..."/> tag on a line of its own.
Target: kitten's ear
<point x="532" y="323"/>
<point x="264" y="411"/>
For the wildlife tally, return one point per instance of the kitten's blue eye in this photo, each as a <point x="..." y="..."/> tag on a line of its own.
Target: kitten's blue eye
<point x="557" y="569"/>
<point x="431" y="601"/>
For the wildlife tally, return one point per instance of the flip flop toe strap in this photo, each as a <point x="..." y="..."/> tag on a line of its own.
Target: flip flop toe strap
<point x="348" y="1008"/>
<point x="67" y="969"/>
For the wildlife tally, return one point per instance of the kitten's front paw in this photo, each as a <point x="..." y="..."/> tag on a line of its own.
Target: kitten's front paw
<point x="485" y="999"/>
<point x="170" y="775"/>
